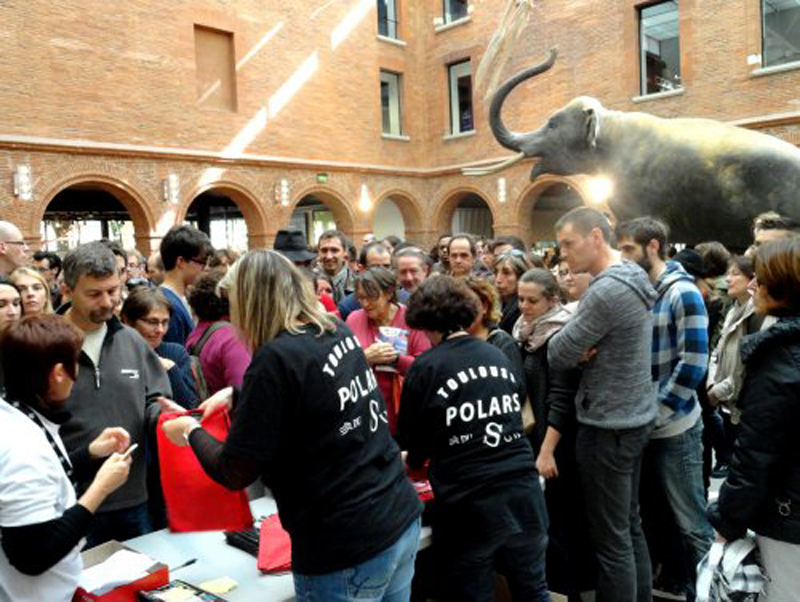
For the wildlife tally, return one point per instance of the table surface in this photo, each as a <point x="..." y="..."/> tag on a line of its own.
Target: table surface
<point x="215" y="558"/>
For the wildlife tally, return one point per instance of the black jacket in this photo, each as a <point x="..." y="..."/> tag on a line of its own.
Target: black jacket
<point x="551" y="393"/>
<point x="762" y="491"/>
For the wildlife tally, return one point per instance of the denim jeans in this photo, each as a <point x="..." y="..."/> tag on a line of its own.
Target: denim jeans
<point x="386" y="576"/>
<point x="120" y="525"/>
<point x="677" y="463"/>
<point x="610" y="462"/>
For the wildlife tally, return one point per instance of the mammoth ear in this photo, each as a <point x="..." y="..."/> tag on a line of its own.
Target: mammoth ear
<point x="592" y="120"/>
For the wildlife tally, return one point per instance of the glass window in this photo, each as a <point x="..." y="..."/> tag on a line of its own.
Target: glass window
<point x="454" y="10"/>
<point x="390" y="103"/>
<point x="781" y="31"/>
<point x="660" y="48"/>
<point x="461" y="98"/>
<point x="387" y="18"/>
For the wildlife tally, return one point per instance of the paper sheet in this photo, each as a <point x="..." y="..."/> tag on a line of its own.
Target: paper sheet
<point x="120" y="568"/>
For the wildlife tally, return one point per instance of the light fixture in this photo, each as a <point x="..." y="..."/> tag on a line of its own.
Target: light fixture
<point x="599" y="190"/>
<point x="501" y="190"/>
<point x="172" y="189"/>
<point x="282" y="192"/>
<point x="23" y="186"/>
<point x="364" y="202"/>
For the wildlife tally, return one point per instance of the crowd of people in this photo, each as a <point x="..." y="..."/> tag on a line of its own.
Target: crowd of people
<point x="569" y="409"/>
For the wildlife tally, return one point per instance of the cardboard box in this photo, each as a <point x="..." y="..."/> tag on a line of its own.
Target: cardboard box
<point x="158" y="575"/>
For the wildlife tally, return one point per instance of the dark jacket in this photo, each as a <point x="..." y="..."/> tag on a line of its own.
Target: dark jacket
<point x="551" y="393"/>
<point x="184" y="391"/>
<point x="511" y="314"/>
<point x="762" y="491"/>
<point x="121" y="391"/>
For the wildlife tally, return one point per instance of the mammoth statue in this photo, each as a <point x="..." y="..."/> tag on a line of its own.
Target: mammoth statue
<point x="707" y="179"/>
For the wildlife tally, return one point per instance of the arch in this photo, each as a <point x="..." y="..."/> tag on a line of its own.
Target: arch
<point x="526" y="206"/>
<point x="247" y="202"/>
<point x="134" y="202"/>
<point x="446" y="207"/>
<point x="331" y="198"/>
<point x="408" y="206"/>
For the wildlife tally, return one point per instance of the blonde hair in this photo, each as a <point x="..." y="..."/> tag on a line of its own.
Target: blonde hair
<point x="269" y="294"/>
<point x="15" y="276"/>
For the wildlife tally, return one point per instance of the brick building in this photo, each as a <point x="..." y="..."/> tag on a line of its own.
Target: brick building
<point x="357" y="112"/>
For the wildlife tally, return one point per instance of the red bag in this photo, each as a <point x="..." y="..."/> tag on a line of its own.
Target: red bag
<point x="274" y="547"/>
<point x="194" y="501"/>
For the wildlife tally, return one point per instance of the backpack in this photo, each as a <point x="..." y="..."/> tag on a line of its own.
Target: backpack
<point x="194" y="358"/>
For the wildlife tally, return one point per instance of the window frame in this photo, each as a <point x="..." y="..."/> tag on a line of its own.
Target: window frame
<point x="764" y="62"/>
<point x="392" y="20"/>
<point x="643" y="92"/>
<point x="455" y="71"/>
<point x="447" y="12"/>
<point x="396" y="111"/>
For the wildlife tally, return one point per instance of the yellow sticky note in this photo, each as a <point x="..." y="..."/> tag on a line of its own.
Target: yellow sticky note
<point x="219" y="586"/>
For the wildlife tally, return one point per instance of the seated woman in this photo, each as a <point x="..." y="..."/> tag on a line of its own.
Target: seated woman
<point x="460" y="409"/>
<point x="311" y="423"/>
<point x="224" y="358"/>
<point x="381" y="329"/>
<point x="762" y="489"/>
<point x="148" y="311"/>
<point x="34" y="291"/>
<point x="42" y="525"/>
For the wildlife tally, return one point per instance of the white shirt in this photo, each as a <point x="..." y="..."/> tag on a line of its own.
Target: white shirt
<point x="33" y="489"/>
<point x="93" y="343"/>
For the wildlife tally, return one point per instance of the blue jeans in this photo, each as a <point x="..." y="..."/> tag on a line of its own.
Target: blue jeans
<point x="677" y="462"/>
<point x="610" y="463"/>
<point x="120" y="525"/>
<point x="386" y="576"/>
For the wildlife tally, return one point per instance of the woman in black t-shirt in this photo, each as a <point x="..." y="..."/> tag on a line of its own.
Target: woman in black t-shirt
<point x="460" y="409"/>
<point x="311" y="422"/>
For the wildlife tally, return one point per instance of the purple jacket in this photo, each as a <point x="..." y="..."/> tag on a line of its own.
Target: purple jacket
<point x="224" y="358"/>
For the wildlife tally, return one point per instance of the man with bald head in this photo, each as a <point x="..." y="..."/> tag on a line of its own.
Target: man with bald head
<point x="14" y="251"/>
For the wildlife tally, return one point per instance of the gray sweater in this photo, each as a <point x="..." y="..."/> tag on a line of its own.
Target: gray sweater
<point x="616" y="389"/>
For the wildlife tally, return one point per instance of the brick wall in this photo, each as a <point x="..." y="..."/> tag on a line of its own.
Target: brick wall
<point x="114" y="92"/>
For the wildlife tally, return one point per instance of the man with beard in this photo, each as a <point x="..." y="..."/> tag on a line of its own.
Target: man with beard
<point x="118" y="384"/>
<point x="674" y="455"/>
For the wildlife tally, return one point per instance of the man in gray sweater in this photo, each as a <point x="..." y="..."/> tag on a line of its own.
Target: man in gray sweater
<point x="611" y="337"/>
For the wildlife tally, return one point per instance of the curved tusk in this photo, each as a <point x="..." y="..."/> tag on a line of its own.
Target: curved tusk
<point x="490" y="169"/>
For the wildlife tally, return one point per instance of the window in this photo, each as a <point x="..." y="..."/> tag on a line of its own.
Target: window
<point x="390" y="103"/>
<point x="781" y="30"/>
<point x="461" y="98"/>
<point x="387" y="18"/>
<point x="216" y="68"/>
<point x="454" y="10"/>
<point x="659" y="47"/>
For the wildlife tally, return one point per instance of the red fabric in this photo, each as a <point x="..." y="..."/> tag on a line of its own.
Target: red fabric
<point x="194" y="501"/>
<point x="129" y="591"/>
<point x="329" y="304"/>
<point x="274" y="547"/>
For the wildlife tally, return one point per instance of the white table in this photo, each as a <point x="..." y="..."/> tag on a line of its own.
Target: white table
<point x="215" y="558"/>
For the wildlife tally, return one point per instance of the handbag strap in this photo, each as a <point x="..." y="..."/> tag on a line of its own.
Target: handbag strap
<point x="198" y="346"/>
<point x="708" y="566"/>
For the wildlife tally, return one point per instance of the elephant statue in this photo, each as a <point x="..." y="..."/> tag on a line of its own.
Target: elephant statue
<point x="706" y="178"/>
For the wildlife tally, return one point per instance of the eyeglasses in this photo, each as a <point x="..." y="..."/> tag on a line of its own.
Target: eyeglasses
<point x="203" y="262"/>
<point x="153" y="323"/>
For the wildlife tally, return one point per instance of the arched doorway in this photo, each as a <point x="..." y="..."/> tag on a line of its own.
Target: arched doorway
<point x="319" y="211"/>
<point x="85" y="211"/>
<point x="388" y="220"/>
<point x="471" y="214"/>
<point x="229" y="215"/>
<point x="543" y="206"/>
<point x="216" y="214"/>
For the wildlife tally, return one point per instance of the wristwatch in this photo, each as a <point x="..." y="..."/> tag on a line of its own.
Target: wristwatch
<point x="189" y="429"/>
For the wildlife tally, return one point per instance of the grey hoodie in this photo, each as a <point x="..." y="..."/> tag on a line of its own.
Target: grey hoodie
<point x="616" y="389"/>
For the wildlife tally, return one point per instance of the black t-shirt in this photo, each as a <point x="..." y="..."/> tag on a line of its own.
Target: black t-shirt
<point x="460" y="408"/>
<point x="311" y="413"/>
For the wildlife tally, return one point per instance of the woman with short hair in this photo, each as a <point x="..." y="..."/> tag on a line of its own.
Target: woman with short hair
<point x="461" y="409"/>
<point x="381" y="329"/>
<point x="311" y="422"/>
<point x="762" y="489"/>
<point x="42" y="522"/>
<point x="148" y="311"/>
<point x="34" y="291"/>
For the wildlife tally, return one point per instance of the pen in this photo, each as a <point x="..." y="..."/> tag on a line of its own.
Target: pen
<point x="185" y="564"/>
